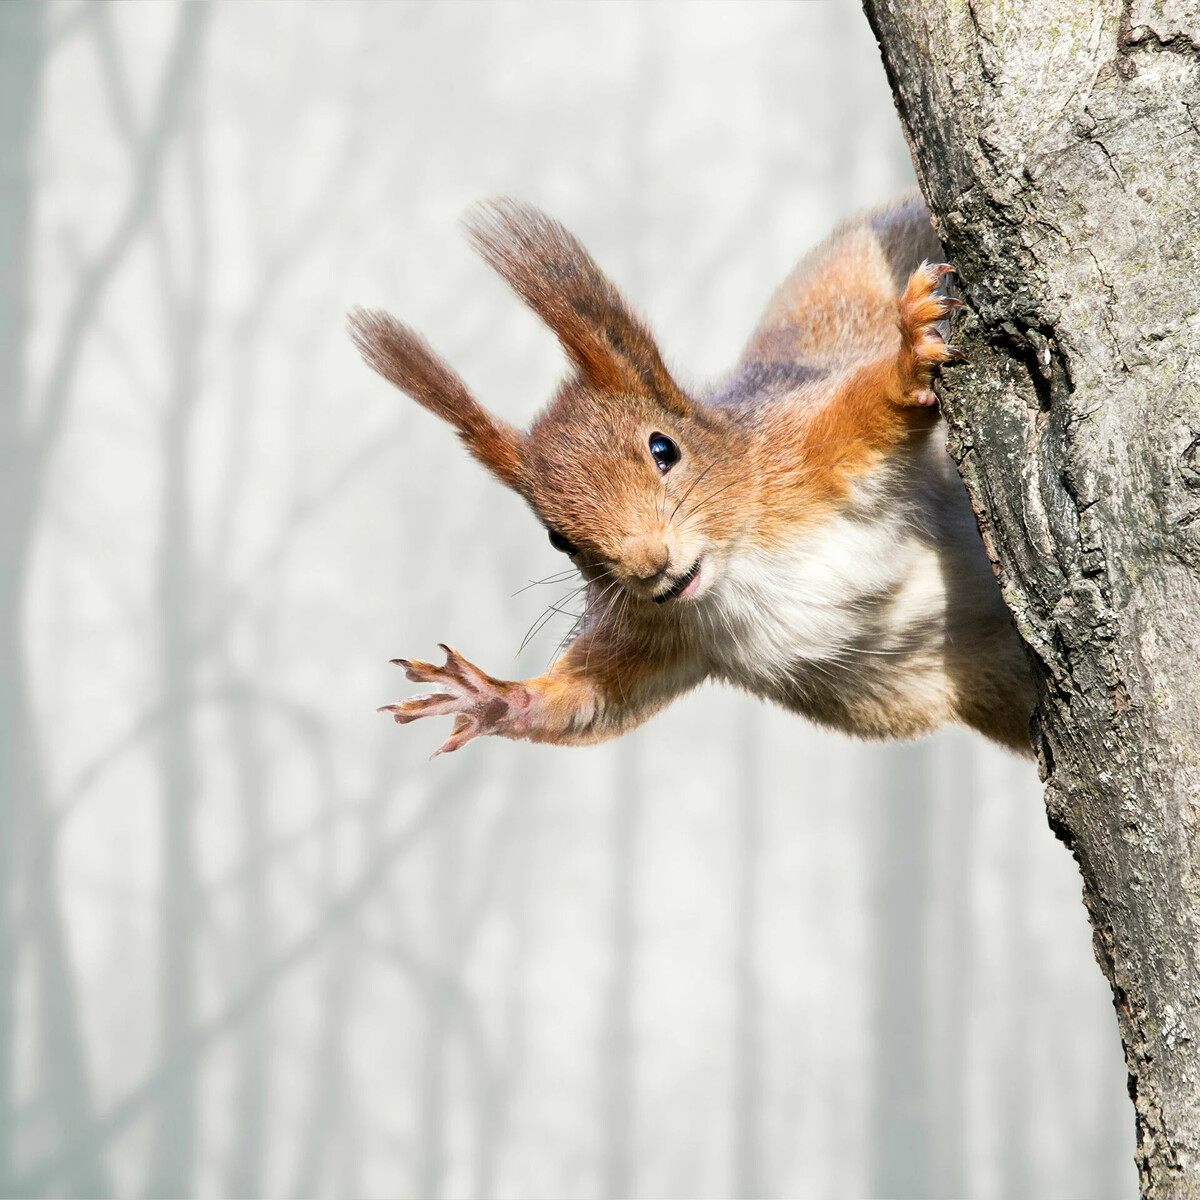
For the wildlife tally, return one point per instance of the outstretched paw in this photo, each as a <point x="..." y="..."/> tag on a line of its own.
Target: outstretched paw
<point x="478" y="703"/>
<point x="922" y="347"/>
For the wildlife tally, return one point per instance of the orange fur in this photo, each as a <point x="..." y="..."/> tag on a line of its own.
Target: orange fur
<point x="833" y="314"/>
<point x="552" y="272"/>
<point x="870" y="407"/>
<point x="405" y="359"/>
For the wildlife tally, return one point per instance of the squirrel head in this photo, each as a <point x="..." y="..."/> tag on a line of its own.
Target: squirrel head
<point x="632" y="478"/>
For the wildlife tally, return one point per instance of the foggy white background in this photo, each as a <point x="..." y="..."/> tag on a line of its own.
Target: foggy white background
<point x="258" y="944"/>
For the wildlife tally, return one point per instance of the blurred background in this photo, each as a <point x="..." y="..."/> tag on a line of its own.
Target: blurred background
<point x="252" y="941"/>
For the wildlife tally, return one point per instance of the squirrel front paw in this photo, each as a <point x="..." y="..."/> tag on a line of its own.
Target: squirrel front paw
<point x="479" y="704"/>
<point x="922" y="347"/>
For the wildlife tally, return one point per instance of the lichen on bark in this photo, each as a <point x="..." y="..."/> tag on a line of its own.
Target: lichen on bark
<point x="1058" y="146"/>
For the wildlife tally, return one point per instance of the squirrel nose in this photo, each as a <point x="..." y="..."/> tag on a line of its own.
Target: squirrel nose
<point x="645" y="556"/>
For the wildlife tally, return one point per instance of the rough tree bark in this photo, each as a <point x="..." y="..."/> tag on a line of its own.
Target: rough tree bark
<point x="1058" y="145"/>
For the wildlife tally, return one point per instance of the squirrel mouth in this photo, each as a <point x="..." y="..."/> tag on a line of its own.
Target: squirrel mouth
<point x="679" y="585"/>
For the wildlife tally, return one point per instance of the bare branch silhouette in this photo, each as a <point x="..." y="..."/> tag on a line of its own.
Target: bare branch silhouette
<point x="149" y="156"/>
<point x="21" y="51"/>
<point x="204" y="1036"/>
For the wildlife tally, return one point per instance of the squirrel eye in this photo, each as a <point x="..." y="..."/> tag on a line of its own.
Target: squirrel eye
<point x="560" y="543"/>
<point x="664" y="452"/>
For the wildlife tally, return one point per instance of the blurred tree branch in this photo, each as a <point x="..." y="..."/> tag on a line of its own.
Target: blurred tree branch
<point x="148" y="153"/>
<point x="384" y="857"/>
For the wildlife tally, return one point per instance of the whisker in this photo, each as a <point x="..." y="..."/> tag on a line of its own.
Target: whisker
<point x="535" y="628"/>
<point x="547" y="615"/>
<point x="692" y="488"/>
<point x="609" y="589"/>
<point x="705" y="499"/>
<point x="580" y="619"/>
<point x="802" y="471"/>
<point x="561" y="577"/>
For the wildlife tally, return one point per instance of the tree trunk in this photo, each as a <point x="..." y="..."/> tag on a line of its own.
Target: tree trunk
<point x="1057" y="145"/>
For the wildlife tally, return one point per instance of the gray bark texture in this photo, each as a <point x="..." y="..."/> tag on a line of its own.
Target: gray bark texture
<point x="1058" y="146"/>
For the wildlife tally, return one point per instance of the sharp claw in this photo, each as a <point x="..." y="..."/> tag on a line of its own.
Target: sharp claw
<point x="455" y="665"/>
<point x="418" y="671"/>
<point x="398" y="714"/>
<point x="923" y="310"/>
<point x="468" y="693"/>
<point x="465" y="730"/>
<point x="449" y="746"/>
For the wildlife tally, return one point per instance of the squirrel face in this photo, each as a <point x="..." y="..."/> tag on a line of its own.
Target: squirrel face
<point x="633" y="492"/>
<point x="630" y="477"/>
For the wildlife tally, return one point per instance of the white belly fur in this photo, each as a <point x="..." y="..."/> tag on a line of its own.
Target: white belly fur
<point x="856" y="621"/>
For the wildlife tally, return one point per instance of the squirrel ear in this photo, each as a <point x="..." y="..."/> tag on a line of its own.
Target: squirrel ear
<point x="551" y="271"/>
<point x="405" y="359"/>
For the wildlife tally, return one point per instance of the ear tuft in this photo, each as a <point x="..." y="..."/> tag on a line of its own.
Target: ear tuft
<point x="550" y="270"/>
<point x="405" y="359"/>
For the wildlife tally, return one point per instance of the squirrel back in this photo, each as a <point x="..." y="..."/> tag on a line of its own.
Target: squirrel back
<point x="838" y="304"/>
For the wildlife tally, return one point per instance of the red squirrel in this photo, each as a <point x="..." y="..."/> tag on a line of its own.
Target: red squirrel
<point x="799" y="530"/>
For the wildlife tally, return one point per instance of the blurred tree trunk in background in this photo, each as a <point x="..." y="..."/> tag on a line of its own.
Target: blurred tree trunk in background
<point x="185" y="303"/>
<point x="21" y="38"/>
<point x="619" y="1107"/>
<point x="29" y="902"/>
<point x="948" y="1091"/>
<point x="30" y="433"/>
<point x="902" y="1141"/>
<point x="1059" y="148"/>
<point x="749" y="1047"/>
<point x="254" y="1041"/>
